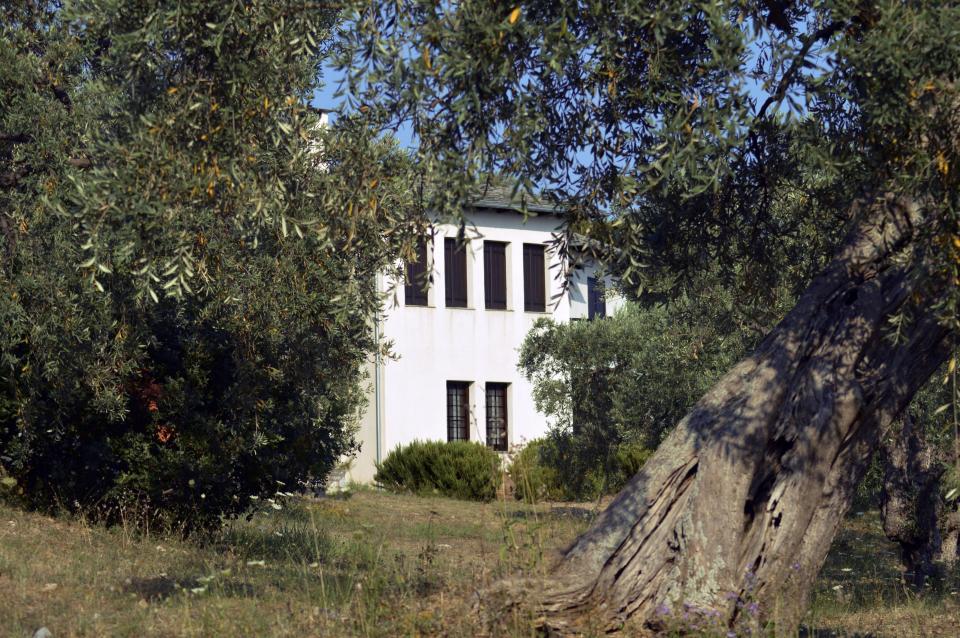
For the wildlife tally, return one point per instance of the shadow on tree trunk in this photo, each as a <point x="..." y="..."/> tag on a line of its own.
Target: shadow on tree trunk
<point x="728" y="524"/>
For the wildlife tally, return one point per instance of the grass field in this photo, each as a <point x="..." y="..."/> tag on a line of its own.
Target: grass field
<point x="373" y="564"/>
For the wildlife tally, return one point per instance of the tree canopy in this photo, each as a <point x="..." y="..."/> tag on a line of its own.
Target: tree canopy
<point x="676" y="131"/>
<point x="188" y="260"/>
<point x="624" y="381"/>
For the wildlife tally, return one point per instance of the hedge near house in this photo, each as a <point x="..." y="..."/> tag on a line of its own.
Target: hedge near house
<point x="186" y="261"/>
<point x="458" y="469"/>
<point x="537" y="471"/>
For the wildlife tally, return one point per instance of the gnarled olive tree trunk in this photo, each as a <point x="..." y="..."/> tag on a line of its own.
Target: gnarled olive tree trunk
<point x="735" y="512"/>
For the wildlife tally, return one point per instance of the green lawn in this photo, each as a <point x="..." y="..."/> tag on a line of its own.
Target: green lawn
<point x="372" y="565"/>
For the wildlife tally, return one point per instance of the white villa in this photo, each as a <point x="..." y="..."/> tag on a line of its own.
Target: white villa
<point x="457" y="340"/>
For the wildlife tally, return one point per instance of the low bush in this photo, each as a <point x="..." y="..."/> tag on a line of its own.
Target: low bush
<point x="458" y="469"/>
<point x="628" y="459"/>
<point x="540" y="471"/>
<point x="532" y="479"/>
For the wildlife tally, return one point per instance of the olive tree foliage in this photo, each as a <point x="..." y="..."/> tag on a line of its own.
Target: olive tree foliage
<point x="627" y="379"/>
<point x="187" y="261"/>
<point x="650" y="111"/>
<point x="641" y="118"/>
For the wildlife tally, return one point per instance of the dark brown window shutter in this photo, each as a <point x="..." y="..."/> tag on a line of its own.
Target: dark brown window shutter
<point x="415" y="289"/>
<point x="458" y="411"/>
<point x="497" y="416"/>
<point x="534" y="284"/>
<point x="455" y="273"/>
<point x="495" y="275"/>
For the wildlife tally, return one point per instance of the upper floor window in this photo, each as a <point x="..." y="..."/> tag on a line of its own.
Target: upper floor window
<point x="417" y="277"/>
<point x="455" y="273"/>
<point x="458" y="411"/>
<point x="596" y="303"/>
<point x="497" y="416"/>
<point x="495" y="275"/>
<point x="534" y="278"/>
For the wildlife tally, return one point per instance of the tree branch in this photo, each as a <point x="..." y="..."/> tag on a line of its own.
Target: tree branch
<point x="788" y="78"/>
<point x="62" y="97"/>
<point x="777" y="14"/>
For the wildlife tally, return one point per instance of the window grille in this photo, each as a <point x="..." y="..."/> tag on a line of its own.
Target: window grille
<point x="497" y="416"/>
<point x="458" y="411"/>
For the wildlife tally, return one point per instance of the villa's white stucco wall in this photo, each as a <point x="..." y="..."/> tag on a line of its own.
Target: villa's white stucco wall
<point x="435" y="344"/>
<point x="362" y="466"/>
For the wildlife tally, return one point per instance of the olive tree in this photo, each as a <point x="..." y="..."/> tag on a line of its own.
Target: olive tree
<point x="626" y="380"/>
<point x="188" y="261"/>
<point x="643" y="119"/>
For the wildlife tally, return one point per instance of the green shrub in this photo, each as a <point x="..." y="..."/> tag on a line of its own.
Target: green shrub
<point x="613" y="389"/>
<point x="629" y="458"/>
<point x="458" y="469"/>
<point x="214" y="412"/>
<point x="542" y="471"/>
<point x="185" y="320"/>
<point x="533" y="480"/>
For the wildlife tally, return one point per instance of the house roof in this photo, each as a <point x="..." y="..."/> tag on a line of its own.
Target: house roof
<point x="503" y="198"/>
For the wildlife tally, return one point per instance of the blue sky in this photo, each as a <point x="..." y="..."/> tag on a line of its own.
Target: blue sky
<point x="325" y="98"/>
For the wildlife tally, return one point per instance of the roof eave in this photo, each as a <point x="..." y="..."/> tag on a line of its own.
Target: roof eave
<point x="532" y="208"/>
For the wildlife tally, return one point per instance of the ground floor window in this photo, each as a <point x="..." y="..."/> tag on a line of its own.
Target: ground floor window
<point x="497" y="416"/>
<point x="458" y="411"/>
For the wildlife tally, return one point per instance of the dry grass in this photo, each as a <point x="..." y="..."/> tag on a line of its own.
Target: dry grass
<point x="371" y="565"/>
<point x="860" y="591"/>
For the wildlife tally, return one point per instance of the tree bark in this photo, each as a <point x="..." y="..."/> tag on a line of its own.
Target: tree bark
<point x="910" y="501"/>
<point x="730" y="521"/>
